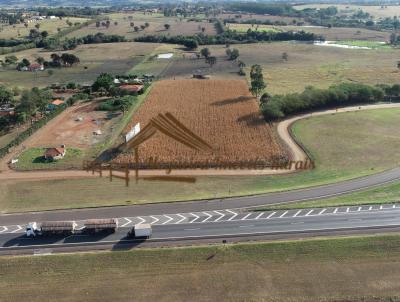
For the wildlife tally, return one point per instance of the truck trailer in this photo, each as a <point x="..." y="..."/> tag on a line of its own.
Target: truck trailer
<point x="140" y="231"/>
<point x="50" y="228"/>
<point x="93" y="226"/>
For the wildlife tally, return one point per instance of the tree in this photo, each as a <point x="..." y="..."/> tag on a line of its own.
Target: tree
<point x="146" y="24"/>
<point x="205" y="52"/>
<point x="69" y="59"/>
<point x="167" y="26"/>
<point x="6" y="96"/>
<point x="232" y="54"/>
<point x="211" y="61"/>
<point x="44" y="34"/>
<point x="97" y="24"/>
<point x="191" y="44"/>
<point x="257" y="80"/>
<point x="40" y="60"/>
<point x="136" y="28"/>
<point x="142" y="27"/>
<point x="37" y="26"/>
<point x="115" y="23"/>
<point x="132" y="24"/>
<point x="285" y="56"/>
<point x="398" y="65"/>
<point x="11" y="59"/>
<point x="105" y="81"/>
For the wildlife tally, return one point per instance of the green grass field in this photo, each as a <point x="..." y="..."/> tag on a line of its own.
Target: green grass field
<point x="359" y="269"/>
<point x="369" y="44"/>
<point x="345" y="146"/>
<point x="51" y="26"/>
<point x="115" y="58"/>
<point x="246" y="27"/>
<point x="33" y="159"/>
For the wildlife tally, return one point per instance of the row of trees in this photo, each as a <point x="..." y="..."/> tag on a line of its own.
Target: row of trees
<point x="345" y="94"/>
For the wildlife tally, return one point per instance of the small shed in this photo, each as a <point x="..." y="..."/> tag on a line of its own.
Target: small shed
<point x="55" y="153"/>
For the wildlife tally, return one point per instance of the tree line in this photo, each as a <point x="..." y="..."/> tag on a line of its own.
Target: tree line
<point x="345" y="94"/>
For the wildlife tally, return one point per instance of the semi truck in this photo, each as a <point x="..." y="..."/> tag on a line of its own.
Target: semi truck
<point x="94" y="226"/>
<point x="140" y="231"/>
<point x="50" y="228"/>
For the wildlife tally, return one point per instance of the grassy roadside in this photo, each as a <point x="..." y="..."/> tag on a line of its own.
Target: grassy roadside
<point x="380" y="195"/>
<point x="345" y="269"/>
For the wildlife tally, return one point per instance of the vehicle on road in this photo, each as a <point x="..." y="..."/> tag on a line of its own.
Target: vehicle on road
<point x="140" y="231"/>
<point x="50" y="228"/>
<point x="94" y="226"/>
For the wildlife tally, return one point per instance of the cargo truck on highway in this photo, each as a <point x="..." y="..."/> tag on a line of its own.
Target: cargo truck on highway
<point x="140" y="231"/>
<point x="94" y="226"/>
<point x="50" y="228"/>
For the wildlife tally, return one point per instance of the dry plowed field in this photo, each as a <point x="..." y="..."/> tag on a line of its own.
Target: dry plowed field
<point x="221" y="112"/>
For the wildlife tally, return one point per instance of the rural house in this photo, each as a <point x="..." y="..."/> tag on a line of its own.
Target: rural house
<point x="55" y="153"/>
<point x="132" y="87"/>
<point x="7" y="110"/>
<point x="55" y="104"/>
<point x="36" y="67"/>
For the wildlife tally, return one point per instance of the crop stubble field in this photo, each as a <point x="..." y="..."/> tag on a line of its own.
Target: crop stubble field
<point x="221" y="112"/>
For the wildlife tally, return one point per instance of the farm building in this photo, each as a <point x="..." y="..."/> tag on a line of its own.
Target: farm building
<point x="55" y="104"/>
<point x="132" y="87"/>
<point x="7" y="110"/>
<point x="55" y="153"/>
<point x="36" y="67"/>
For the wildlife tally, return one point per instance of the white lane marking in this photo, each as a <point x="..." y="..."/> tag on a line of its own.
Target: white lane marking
<point x="128" y="221"/>
<point x="234" y="214"/>
<point x="298" y="212"/>
<point x="246" y="226"/>
<point x="18" y="229"/>
<point x="259" y="216"/>
<point x="244" y="218"/>
<point x="141" y="220"/>
<point x="219" y="213"/>
<point x="195" y="229"/>
<point x="182" y="218"/>
<point x="335" y="211"/>
<point x="381" y="207"/>
<point x="308" y="214"/>
<point x="299" y="222"/>
<point x="169" y="219"/>
<point x="370" y="208"/>
<point x="196" y="217"/>
<point x="359" y="209"/>
<point x="81" y="228"/>
<point x="347" y="210"/>
<point x="323" y="210"/>
<point x="394" y="206"/>
<point x="4" y="229"/>
<point x="209" y="216"/>
<point x="155" y="219"/>
<point x="283" y="214"/>
<point x="270" y="215"/>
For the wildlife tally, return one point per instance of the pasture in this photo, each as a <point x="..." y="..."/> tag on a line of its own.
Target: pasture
<point x="115" y="58"/>
<point x="52" y="26"/>
<point x="357" y="269"/>
<point x="120" y="24"/>
<point x="330" y="34"/>
<point x="377" y="11"/>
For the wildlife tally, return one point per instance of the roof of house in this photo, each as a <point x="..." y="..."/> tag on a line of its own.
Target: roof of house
<point x="35" y="65"/>
<point x="53" y="152"/>
<point x="132" y="87"/>
<point x="57" y="102"/>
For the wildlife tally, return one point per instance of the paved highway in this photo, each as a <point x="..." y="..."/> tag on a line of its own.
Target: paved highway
<point x="313" y="193"/>
<point x="216" y="224"/>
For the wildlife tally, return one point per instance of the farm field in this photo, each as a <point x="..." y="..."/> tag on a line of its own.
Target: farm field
<point x="178" y="26"/>
<point x="307" y="64"/>
<point x="376" y="11"/>
<point x="115" y="58"/>
<point x="49" y="25"/>
<point x="360" y="136"/>
<point x="330" y="34"/>
<point x="248" y="17"/>
<point x="357" y="269"/>
<point x="223" y="113"/>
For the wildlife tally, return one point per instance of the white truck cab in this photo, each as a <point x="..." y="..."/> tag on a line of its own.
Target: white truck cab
<point x="32" y="229"/>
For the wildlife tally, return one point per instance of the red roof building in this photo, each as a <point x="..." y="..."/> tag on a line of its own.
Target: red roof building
<point x="132" y="87"/>
<point x="55" y="153"/>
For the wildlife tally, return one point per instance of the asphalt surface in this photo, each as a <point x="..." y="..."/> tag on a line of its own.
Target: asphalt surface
<point x="313" y="193"/>
<point x="214" y="225"/>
